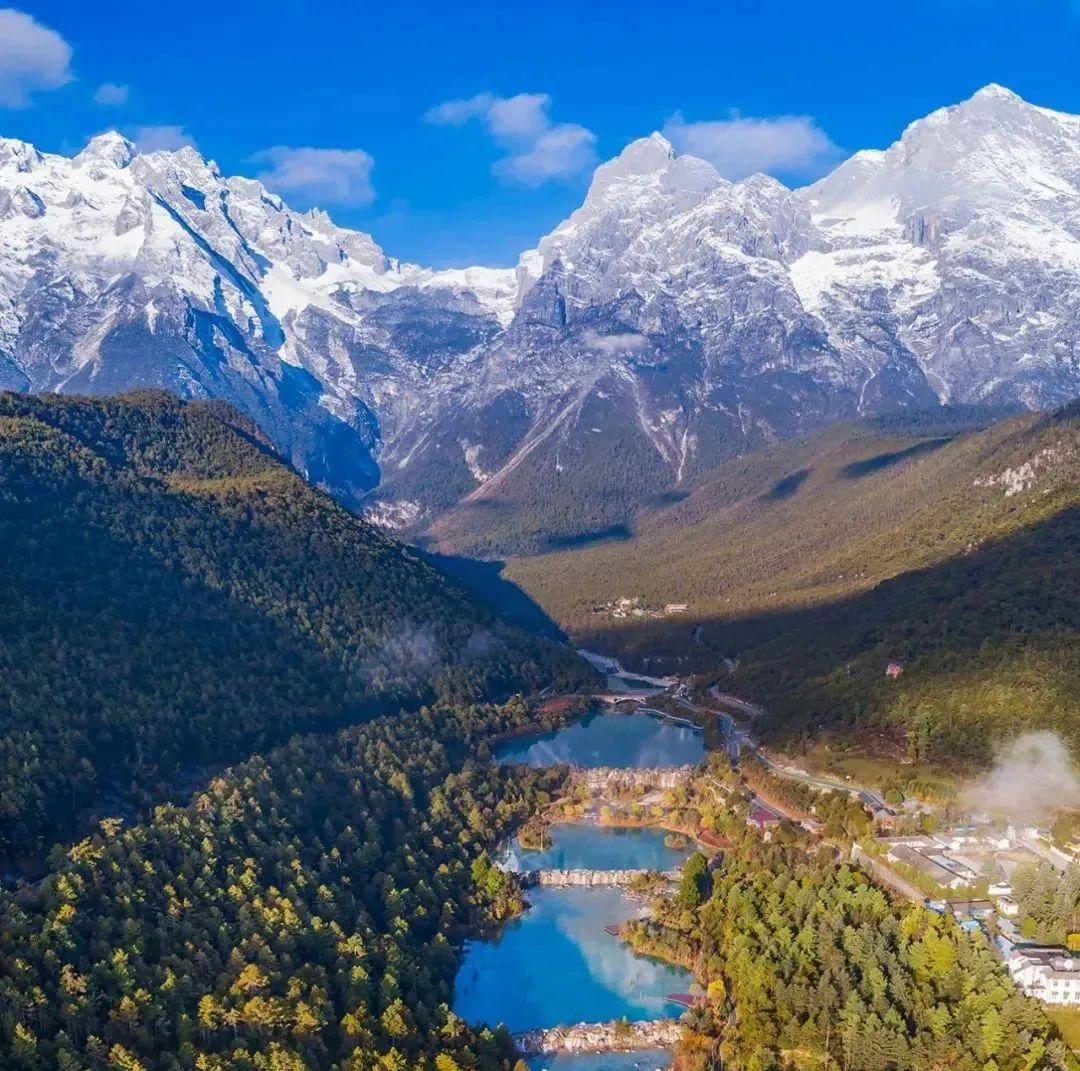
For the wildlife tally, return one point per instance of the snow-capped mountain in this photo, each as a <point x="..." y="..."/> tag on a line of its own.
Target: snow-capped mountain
<point x="674" y="320"/>
<point x="120" y="270"/>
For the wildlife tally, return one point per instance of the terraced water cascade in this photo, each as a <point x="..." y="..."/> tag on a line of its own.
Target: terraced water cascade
<point x="562" y="963"/>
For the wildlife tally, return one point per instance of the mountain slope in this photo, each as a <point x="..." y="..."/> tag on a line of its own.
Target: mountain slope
<point x="125" y="270"/>
<point x="172" y="595"/>
<point x="722" y="317"/>
<point x="818" y="562"/>
<point x="674" y="321"/>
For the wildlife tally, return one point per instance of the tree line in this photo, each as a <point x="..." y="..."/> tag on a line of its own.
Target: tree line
<point x="172" y="597"/>
<point x="305" y="911"/>
<point x="806" y="962"/>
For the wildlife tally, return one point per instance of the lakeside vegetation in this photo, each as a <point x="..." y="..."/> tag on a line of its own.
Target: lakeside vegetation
<point x="302" y="913"/>
<point x="173" y="597"/>
<point x="802" y="957"/>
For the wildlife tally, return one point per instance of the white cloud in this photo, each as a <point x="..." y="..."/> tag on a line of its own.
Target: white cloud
<point x="156" y="138"/>
<point x="536" y="149"/>
<point x="741" y="146"/>
<point x="338" y="176"/>
<point x="621" y="342"/>
<point x="32" y="57"/>
<point x="111" y="93"/>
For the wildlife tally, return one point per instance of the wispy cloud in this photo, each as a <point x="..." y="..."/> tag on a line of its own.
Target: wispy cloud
<point x="536" y="149"/>
<point x="620" y="342"/>
<point x="157" y="138"/>
<point x="111" y="94"/>
<point x="330" y="176"/>
<point x="32" y="58"/>
<point x="740" y="146"/>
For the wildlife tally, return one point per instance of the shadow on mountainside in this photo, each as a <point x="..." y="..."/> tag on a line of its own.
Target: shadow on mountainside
<point x="484" y="580"/>
<point x="988" y="642"/>
<point x="787" y="487"/>
<point x="868" y="466"/>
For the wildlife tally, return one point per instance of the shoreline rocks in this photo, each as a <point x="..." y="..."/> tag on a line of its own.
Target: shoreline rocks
<point x="600" y="778"/>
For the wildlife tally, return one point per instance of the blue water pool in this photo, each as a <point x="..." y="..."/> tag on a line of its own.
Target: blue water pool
<point x="603" y="739"/>
<point x="584" y="846"/>
<point x="557" y="965"/>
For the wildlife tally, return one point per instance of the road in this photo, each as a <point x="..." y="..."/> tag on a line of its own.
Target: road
<point x="828" y="783"/>
<point x="736" y="740"/>
<point x="886" y="875"/>
<point x="741" y="705"/>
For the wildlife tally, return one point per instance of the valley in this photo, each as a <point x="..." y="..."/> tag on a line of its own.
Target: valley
<point x="934" y="544"/>
<point x="639" y="631"/>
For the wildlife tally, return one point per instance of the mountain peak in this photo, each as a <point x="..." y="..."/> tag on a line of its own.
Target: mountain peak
<point x="20" y="155"/>
<point x="645" y="156"/>
<point x="110" y="147"/>
<point x="993" y="91"/>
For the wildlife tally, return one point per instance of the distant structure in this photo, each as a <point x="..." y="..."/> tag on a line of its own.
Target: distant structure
<point x="894" y="670"/>
<point x="762" y="816"/>
<point x="1049" y="974"/>
<point x="883" y="815"/>
<point x="927" y="855"/>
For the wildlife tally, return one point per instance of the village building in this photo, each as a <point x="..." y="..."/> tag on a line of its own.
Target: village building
<point x="1049" y="974"/>
<point x="763" y="817"/>
<point x="1008" y="907"/>
<point x="937" y="867"/>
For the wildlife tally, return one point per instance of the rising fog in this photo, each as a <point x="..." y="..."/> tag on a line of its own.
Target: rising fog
<point x="1033" y="777"/>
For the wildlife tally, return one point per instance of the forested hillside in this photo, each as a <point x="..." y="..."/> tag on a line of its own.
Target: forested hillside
<point x="816" y="564"/>
<point x="805" y="960"/>
<point x="172" y="596"/>
<point x="302" y="913"/>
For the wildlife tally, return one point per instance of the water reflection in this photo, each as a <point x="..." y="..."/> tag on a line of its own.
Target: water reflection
<point x="584" y="846"/>
<point x="557" y="965"/>
<point x="606" y="739"/>
<point x="643" y="1060"/>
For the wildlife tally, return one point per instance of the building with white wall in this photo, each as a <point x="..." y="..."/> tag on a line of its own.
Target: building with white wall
<point x="1050" y="974"/>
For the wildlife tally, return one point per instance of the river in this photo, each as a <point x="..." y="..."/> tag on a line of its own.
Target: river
<point x="557" y="964"/>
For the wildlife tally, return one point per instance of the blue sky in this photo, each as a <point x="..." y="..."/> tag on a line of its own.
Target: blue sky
<point x="339" y="104"/>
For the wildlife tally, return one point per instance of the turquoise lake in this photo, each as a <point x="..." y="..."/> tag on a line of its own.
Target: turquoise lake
<point x="557" y="965"/>
<point x="583" y="846"/>
<point x="645" y="1060"/>
<point x="607" y="739"/>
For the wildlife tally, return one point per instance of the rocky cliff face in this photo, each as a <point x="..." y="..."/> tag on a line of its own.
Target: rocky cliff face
<point x="672" y="321"/>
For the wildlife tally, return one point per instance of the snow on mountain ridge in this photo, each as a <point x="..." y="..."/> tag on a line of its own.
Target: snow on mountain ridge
<point x="686" y="317"/>
<point x="960" y="244"/>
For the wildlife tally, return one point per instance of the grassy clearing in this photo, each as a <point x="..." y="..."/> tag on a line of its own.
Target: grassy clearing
<point x="1067" y="1020"/>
